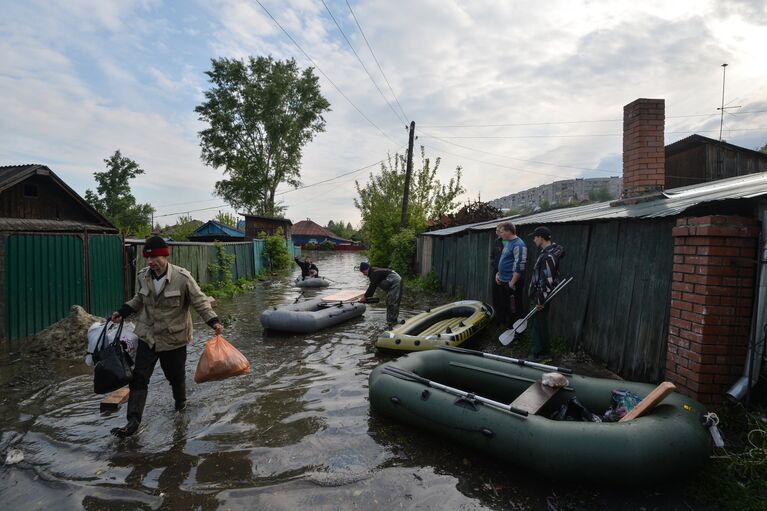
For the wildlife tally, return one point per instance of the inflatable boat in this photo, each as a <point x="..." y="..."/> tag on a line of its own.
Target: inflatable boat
<point x="310" y="315"/>
<point x="312" y="282"/>
<point x="488" y="407"/>
<point x="446" y="325"/>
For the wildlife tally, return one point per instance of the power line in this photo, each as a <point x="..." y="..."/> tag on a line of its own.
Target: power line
<point x="559" y="176"/>
<point x="585" y="121"/>
<point x="376" y="59"/>
<point x="323" y="72"/>
<point x="363" y="64"/>
<point x="588" y="135"/>
<point x="517" y="159"/>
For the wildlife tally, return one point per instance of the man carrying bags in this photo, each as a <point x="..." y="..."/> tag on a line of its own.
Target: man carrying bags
<point x="164" y="293"/>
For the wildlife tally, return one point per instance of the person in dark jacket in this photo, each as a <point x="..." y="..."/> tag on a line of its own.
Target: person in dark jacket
<point x="545" y="278"/>
<point x="308" y="268"/>
<point x="164" y="294"/>
<point x="389" y="281"/>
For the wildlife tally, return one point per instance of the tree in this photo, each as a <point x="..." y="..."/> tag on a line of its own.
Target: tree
<point x="226" y="218"/>
<point x="261" y="113"/>
<point x="113" y="197"/>
<point x="184" y="228"/>
<point x="380" y="202"/>
<point x="601" y="194"/>
<point x="341" y="229"/>
<point x="763" y="149"/>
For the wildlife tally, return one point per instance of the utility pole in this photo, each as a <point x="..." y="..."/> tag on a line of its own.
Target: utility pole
<point x="721" y="120"/>
<point x="408" y="171"/>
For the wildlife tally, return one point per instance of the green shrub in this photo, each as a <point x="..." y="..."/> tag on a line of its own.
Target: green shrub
<point x="311" y="246"/>
<point x="327" y="245"/>
<point x="276" y="252"/>
<point x="403" y="252"/>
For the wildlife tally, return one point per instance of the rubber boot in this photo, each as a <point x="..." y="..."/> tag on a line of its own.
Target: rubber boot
<point x="127" y="430"/>
<point x="179" y="396"/>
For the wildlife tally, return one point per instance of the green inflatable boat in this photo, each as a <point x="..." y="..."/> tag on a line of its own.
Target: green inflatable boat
<point x="447" y="325"/>
<point x="499" y="406"/>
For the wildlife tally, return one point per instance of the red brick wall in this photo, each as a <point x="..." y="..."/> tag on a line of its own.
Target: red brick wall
<point x="644" y="154"/>
<point x="712" y="297"/>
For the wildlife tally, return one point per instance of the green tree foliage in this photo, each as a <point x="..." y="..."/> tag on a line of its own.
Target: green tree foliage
<point x="341" y="229"/>
<point x="226" y="218"/>
<point x="184" y="228"/>
<point x="261" y="113"/>
<point x="600" y="195"/>
<point x="403" y="252"/>
<point x="113" y="197"/>
<point x="380" y="202"/>
<point x="276" y="251"/>
<point x="763" y="149"/>
<point x="470" y="213"/>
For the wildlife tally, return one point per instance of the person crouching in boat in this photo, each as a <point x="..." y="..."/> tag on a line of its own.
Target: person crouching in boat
<point x="308" y="268"/>
<point x="391" y="283"/>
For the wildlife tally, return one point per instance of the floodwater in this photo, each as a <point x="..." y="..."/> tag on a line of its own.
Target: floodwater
<point x="295" y="433"/>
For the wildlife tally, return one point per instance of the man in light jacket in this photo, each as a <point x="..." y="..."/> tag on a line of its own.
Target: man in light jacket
<point x="164" y="294"/>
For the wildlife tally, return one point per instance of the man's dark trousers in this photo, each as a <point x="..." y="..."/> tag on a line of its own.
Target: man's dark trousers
<point x="173" y="364"/>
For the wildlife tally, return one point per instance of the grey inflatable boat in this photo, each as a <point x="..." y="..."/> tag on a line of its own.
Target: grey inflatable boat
<point x="311" y="282"/>
<point x="310" y="315"/>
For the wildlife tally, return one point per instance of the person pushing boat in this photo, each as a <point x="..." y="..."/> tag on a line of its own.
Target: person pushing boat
<point x="388" y="280"/>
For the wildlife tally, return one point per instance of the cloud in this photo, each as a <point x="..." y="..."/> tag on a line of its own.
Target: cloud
<point x="99" y="76"/>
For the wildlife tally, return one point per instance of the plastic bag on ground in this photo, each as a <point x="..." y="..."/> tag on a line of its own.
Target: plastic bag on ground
<point x="219" y="361"/>
<point x="127" y="336"/>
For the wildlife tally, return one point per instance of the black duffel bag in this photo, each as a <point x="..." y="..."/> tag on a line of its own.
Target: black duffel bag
<point x="113" y="364"/>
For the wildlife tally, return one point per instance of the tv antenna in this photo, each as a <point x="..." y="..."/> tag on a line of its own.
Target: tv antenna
<point x="723" y="108"/>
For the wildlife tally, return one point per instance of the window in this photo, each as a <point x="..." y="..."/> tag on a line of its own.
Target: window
<point x="30" y="191"/>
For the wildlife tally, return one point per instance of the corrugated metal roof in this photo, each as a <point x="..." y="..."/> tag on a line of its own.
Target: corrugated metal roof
<point x="310" y="228"/>
<point x="670" y="203"/>
<point x="29" y="225"/>
<point x="213" y="228"/>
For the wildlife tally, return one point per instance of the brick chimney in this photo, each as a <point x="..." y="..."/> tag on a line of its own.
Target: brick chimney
<point x="643" y="150"/>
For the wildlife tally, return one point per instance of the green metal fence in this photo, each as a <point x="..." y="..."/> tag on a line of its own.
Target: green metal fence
<point x="105" y="273"/>
<point x="43" y="278"/>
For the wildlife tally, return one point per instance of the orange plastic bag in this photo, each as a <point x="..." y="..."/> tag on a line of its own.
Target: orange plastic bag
<point x="220" y="361"/>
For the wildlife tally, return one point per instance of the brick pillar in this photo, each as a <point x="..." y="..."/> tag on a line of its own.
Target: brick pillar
<point x="712" y="296"/>
<point x="644" y="156"/>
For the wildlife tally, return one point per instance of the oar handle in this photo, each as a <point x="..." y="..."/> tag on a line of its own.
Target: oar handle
<point x="411" y="376"/>
<point x="500" y="358"/>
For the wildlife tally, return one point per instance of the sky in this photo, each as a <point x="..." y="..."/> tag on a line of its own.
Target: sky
<point x="516" y="93"/>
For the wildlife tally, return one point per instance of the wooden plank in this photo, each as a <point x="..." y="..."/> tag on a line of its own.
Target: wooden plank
<point x="114" y="399"/>
<point x="535" y="397"/>
<point x="350" y="295"/>
<point x="648" y="403"/>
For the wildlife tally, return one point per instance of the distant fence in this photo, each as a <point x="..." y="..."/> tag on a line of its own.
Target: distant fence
<point x="196" y="257"/>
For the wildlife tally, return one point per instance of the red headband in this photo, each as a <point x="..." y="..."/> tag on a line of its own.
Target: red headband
<point x="154" y="252"/>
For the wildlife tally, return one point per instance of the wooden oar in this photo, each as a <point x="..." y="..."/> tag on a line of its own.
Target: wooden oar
<point x="520" y="325"/>
<point x="411" y="376"/>
<point x="509" y="360"/>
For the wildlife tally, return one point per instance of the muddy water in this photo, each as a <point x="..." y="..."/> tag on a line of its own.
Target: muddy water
<point x="295" y="433"/>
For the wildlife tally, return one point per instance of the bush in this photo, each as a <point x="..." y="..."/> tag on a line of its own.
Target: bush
<point x="276" y="252"/>
<point x="403" y="252"/>
<point x="327" y="245"/>
<point x="429" y="283"/>
<point x="311" y="246"/>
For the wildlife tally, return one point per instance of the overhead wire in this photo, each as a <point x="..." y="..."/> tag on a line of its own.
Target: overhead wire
<point x="362" y="32"/>
<point x="348" y="42"/>
<point x="323" y="72"/>
<point x="517" y="159"/>
<point x="586" y="135"/>
<point x="584" y="121"/>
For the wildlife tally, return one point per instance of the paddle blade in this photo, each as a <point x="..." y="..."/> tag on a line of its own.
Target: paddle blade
<point x="507" y="337"/>
<point x="519" y="325"/>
